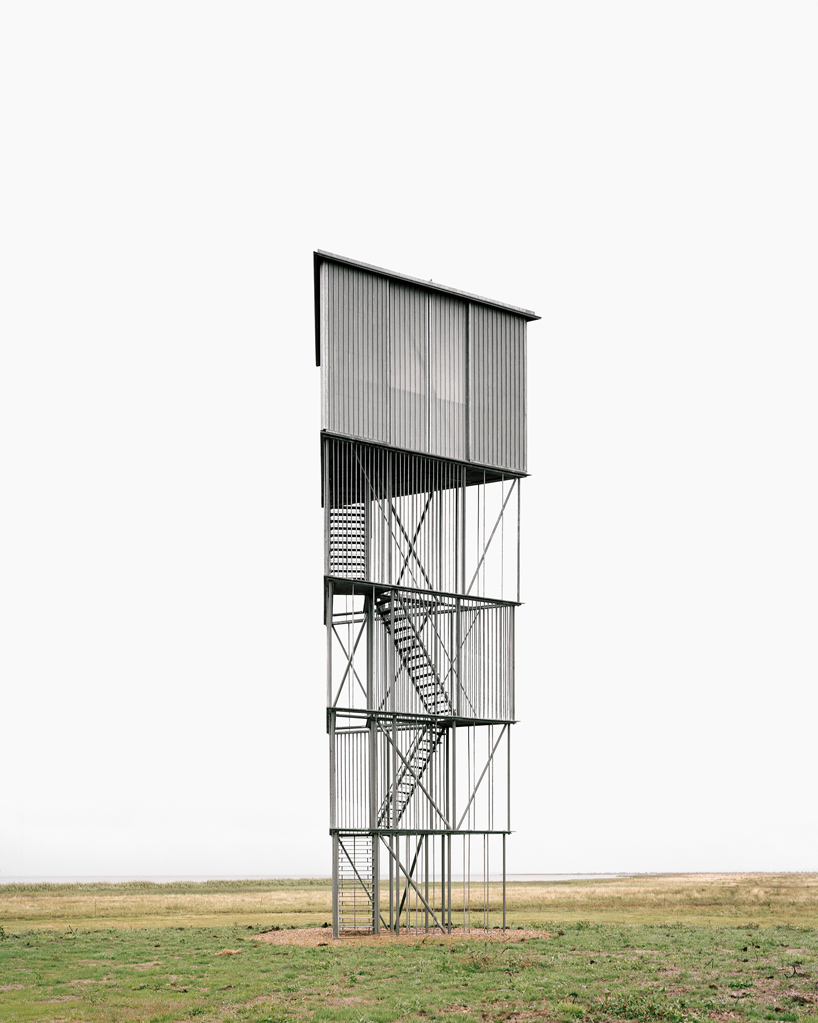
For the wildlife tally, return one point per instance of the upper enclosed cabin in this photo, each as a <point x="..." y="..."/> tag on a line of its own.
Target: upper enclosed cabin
<point x="418" y="366"/>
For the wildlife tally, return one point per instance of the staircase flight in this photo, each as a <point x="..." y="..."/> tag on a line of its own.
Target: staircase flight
<point x="404" y="618"/>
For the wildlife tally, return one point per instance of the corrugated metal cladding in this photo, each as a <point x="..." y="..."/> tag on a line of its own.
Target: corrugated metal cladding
<point x="408" y="367"/>
<point x="394" y="361"/>
<point x="496" y="387"/>
<point x="355" y="321"/>
<point x="447" y="352"/>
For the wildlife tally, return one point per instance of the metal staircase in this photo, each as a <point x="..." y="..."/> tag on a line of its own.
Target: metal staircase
<point x="406" y="623"/>
<point x="404" y="618"/>
<point x="409" y="774"/>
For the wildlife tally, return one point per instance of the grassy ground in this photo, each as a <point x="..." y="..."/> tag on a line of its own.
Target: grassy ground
<point x="712" y="899"/>
<point x="608" y="965"/>
<point x="581" y="972"/>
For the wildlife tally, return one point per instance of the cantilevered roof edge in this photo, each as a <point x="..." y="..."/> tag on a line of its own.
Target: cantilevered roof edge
<point x="320" y="256"/>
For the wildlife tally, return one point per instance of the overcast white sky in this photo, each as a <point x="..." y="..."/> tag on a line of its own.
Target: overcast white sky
<point x="642" y="174"/>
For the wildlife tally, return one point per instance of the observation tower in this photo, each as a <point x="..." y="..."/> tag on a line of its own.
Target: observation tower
<point x="423" y="450"/>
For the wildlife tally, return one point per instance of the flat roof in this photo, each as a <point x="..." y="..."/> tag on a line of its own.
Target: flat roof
<point x="320" y="256"/>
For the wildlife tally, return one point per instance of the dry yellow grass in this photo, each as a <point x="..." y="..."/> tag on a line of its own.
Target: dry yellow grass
<point x="717" y="899"/>
<point x="764" y="899"/>
<point x="286" y="907"/>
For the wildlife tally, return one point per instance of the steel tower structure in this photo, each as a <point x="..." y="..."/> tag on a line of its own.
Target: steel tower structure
<point x="423" y="449"/>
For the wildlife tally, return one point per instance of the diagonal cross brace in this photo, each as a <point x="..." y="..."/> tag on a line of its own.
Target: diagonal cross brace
<point x="411" y="545"/>
<point x="411" y="870"/>
<point x="453" y="660"/>
<point x="428" y="616"/>
<point x="400" y="524"/>
<point x="418" y="892"/>
<point x="414" y="538"/>
<point x="350" y="665"/>
<point x="482" y="776"/>
<point x="415" y="778"/>
<point x="516" y="483"/>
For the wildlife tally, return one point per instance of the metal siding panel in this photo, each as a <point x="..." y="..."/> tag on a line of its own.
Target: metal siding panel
<point x="356" y="308"/>
<point x="497" y="388"/>
<point x="516" y="392"/>
<point x="477" y="375"/>
<point x="394" y="369"/>
<point x="524" y="391"/>
<point x="409" y="367"/>
<point x="323" y="278"/>
<point x="447" y="377"/>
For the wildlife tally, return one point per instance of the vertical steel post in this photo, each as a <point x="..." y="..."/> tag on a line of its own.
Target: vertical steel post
<point x="508" y="780"/>
<point x="376" y="883"/>
<point x="326" y="452"/>
<point x="519" y="515"/>
<point x="406" y="896"/>
<point x="461" y="588"/>
<point x="328" y="608"/>
<point x="332" y="771"/>
<point x="513" y="657"/>
<point x="458" y="671"/>
<point x="504" y="882"/>
<point x="443" y="879"/>
<point x="391" y="885"/>
<point x="390" y="461"/>
<point x="368" y="497"/>
<point x="451" y="771"/>
<point x="426" y="876"/>
<point x="335" y="920"/>
<point x="369" y="608"/>
<point x="449" y="881"/>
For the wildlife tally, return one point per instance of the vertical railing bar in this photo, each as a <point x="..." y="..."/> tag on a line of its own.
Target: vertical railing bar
<point x="518" y="538"/>
<point x="328" y="616"/>
<point x="508" y="782"/>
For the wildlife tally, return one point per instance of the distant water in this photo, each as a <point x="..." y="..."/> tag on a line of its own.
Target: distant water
<point x="170" y="878"/>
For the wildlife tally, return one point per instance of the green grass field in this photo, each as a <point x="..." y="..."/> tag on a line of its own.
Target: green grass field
<point x="671" y="947"/>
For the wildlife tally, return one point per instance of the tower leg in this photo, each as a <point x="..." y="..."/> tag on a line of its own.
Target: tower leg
<point x="376" y="884"/>
<point x="448" y="841"/>
<point x="504" y="882"/>
<point x="335" y="886"/>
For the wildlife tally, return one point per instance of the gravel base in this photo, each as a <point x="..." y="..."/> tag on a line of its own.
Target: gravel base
<point x="314" y="936"/>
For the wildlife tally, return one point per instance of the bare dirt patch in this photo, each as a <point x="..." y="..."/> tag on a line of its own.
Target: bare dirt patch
<point x="344" y="1001"/>
<point x="312" y="937"/>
